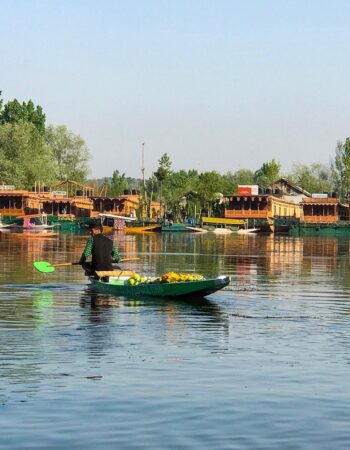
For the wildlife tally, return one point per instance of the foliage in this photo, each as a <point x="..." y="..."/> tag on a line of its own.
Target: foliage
<point x="268" y="173"/>
<point x="209" y="188"/>
<point x="315" y="178"/>
<point x="15" y="112"/>
<point x="232" y="180"/>
<point x="118" y="184"/>
<point x="24" y="156"/>
<point x="70" y="153"/>
<point x="341" y="169"/>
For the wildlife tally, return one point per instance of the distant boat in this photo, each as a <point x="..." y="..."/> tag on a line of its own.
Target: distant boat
<point x="180" y="227"/>
<point x="30" y="222"/>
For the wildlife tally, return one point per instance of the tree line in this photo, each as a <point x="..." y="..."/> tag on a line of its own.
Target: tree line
<point x="32" y="151"/>
<point x="190" y="193"/>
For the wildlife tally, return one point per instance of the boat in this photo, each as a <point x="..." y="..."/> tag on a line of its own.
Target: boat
<point x="180" y="227"/>
<point x="113" y="222"/>
<point x="142" y="229"/>
<point x="200" y="288"/>
<point x="30" y="222"/>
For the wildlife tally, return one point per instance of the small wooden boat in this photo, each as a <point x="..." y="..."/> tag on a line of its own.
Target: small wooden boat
<point x="142" y="229"/>
<point x="180" y="227"/>
<point x="199" y="288"/>
<point x="30" y="222"/>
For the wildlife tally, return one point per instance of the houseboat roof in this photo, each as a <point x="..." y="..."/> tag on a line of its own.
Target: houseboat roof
<point x="320" y="201"/>
<point x="323" y="201"/>
<point x="14" y="193"/>
<point x="260" y="197"/>
<point x="293" y="186"/>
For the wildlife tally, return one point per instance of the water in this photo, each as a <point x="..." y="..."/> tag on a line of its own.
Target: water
<point x="262" y="364"/>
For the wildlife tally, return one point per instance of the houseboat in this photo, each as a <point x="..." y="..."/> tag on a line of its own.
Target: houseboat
<point x="322" y="215"/>
<point x="261" y="211"/>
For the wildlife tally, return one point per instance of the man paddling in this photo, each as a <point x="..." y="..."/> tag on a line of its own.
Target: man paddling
<point x="102" y="250"/>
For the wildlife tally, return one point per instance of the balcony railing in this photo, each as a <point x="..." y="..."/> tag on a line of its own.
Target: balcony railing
<point x="12" y="211"/>
<point x="246" y="214"/>
<point x="321" y="219"/>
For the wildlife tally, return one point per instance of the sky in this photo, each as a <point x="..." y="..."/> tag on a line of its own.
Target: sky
<point x="217" y="85"/>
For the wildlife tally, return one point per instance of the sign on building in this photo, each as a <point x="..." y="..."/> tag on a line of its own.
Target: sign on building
<point x="320" y="195"/>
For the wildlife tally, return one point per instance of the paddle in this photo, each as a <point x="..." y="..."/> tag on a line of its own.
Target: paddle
<point x="46" y="267"/>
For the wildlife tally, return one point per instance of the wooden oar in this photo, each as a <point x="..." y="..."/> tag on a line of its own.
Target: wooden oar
<point x="46" y="267"/>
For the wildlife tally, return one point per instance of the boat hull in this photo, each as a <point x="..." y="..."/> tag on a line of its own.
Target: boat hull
<point x="171" y="290"/>
<point x="143" y="229"/>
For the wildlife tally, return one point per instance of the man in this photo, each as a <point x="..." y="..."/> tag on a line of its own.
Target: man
<point x="101" y="249"/>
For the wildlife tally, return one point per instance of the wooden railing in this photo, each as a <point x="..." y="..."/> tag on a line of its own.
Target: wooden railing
<point x="12" y="212"/>
<point x="245" y="214"/>
<point x="321" y="219"/>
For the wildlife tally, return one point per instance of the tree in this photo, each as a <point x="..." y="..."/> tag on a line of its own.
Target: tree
<point x="118" y="184"/>
<point x="313" y="178"/>
<point x="232" y="180"/>
<point x="209" y="186"/>
<point x="163" y="170"/>
<point x="70" y="153"/>
<point x="267" y="174"/>
<point x="24" y="156"/>
<point x="15" y="112"/>
<point x="341" y="168"/>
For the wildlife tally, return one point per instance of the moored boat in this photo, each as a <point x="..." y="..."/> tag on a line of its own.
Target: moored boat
<point x="142" y="229"/>
<point x="199" y="288"/>
<point x="33" y="222"/>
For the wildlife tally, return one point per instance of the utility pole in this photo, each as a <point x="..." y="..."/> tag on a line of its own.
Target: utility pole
<point x="143" y="178"/>
<point x="143" y="166"/>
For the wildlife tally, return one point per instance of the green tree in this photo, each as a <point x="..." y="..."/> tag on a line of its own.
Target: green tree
<point x="14" y="112"/>
<point x="118" y="184"/>
<point x="313" y="178"/>
<point x="232" y="180"/>
<point x="268" y="173"/>
<point x="341" y="169"/>
<point x="164" y="168"/>
<point x="24" y="156"/>
<point x="210" y="184"/>
<point x="70" y="153"/>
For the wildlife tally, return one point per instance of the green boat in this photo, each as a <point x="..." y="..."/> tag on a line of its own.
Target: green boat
<point x="199" y="288"/>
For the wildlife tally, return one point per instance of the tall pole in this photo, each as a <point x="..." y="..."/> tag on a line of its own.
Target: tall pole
<point x="143" y="166"/>
<point x="143" y="178"/>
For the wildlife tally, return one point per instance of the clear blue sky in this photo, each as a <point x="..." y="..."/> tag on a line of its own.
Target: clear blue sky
<point x="218" y="85"/>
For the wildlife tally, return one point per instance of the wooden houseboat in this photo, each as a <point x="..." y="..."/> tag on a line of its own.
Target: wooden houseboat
<point x="323" y="215"/>
<point x="261" y="211"/>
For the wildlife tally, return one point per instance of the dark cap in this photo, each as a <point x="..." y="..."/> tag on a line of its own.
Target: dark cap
<point x="95" y="226"/>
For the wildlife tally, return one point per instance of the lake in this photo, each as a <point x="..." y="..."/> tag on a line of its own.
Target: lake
<point x="262" y="364"/>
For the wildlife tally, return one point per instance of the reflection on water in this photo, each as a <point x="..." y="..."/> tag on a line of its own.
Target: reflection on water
<point x="261" y="355"/>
